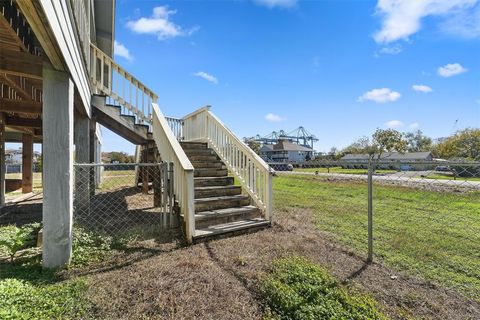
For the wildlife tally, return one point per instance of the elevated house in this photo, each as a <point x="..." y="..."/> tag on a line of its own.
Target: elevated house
<point x="59" y="82"/>
<point x="285" y="151"/>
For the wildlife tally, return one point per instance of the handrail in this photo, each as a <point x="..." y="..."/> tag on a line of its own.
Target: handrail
<point x="121" y="87"/>
<point x="170" y="150"/>
<point x="252" y="172"/>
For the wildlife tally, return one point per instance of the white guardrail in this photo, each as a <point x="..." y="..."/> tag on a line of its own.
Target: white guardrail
<point x="252" y="172"/>
<point x="121" y="87"/>
<point x="171" y="151"/>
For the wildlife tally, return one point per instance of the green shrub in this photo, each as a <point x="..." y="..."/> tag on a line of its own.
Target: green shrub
<point x="298" y="289"/>
<point x="88" y="247"/>
<point x="22" y="300"/>
<point x="14" y="239"/>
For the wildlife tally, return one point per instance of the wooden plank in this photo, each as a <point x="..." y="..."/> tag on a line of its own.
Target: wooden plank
<point x="20" y="63"/>
<point x="20" y="106"/>
<point x="23" y="122"/>
<point x="43" y="34"/>
<point x="8" y="80"/>
<point x="11" y="34"/>
<point x="27" y="159"/>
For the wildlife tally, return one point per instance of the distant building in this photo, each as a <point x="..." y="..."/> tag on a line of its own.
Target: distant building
<point x="13" y="160"/>
<point x="359" y="161"/>
<point x="286" y="151"/>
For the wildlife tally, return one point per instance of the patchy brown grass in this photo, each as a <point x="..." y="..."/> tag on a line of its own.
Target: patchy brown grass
<point x="219" y="279"/>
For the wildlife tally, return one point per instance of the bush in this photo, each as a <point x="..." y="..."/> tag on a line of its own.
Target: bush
<point x="88" y="247"/>
<point x="298" y="289"/>
<point x="14" y="239"/>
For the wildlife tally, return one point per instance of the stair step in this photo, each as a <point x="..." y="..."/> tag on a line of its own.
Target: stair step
<point x="229" y="228"/>
<point x="208" y="164"/>
<point x="199" y="152"/>
<point x="212" y="181"/>
<point x="222" y="216"/>
<point x="210" y="172"/>
<point x="217" y="191"/>
<point x="194" y="145"/>
<point x="194" y="158"/>
<point x="223" y="202"/>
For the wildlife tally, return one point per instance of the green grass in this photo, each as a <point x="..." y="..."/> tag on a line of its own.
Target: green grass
<point x="299" y="289"/>
<point x="342" y="171"/>
<point x="27" y="291"/>
<point x="431" y="234"/>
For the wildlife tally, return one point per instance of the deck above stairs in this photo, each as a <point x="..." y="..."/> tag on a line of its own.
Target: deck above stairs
<point x="221" y="209"/>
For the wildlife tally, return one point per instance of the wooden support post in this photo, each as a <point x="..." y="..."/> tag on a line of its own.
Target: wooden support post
<point x="93" y="155"/>
<point x="58" y="99"/>
<point x="157" y="186"/>
<point x="2" y="159"/>
<point x="144" y="171"/>
<point x="27" y="159"/>
<point x="82" y="155"/>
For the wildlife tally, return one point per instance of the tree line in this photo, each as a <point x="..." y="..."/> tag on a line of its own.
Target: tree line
<point x="462" y="145"/>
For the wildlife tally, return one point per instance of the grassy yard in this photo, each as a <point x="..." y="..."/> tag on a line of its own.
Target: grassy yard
<point x="431" y="234"/>
<point x="342" y="171"/>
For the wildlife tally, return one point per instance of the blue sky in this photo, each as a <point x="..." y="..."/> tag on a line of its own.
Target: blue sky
<point x="341" y="69"/>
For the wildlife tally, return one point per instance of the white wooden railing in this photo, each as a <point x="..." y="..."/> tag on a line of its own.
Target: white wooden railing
<point x="252" y="172"/>
<point x="120" y="87"/>
<point x="170" y="150"/>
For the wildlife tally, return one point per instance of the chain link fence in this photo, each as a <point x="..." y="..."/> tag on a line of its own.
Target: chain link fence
<point x="422" y="218"/>
<point x="129" y="199"/>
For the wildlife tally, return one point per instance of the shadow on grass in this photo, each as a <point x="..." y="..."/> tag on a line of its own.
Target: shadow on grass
<point x="28" y="268"/>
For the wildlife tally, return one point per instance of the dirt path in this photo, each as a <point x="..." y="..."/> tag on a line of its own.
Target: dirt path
<point x="218" y="280"/>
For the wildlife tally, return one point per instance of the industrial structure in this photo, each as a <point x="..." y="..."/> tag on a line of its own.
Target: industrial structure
<point x="298" y="136"/>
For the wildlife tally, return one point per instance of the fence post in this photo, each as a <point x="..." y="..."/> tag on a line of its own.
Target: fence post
<point x="370" y="211"/>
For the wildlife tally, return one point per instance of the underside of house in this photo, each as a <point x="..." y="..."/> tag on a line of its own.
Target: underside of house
<point x="59" y="83"/>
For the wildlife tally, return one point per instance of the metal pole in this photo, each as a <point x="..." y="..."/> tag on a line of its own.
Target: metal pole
<point x="370" y="212"/>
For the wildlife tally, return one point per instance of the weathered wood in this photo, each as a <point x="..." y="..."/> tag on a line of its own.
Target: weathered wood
<point x="20" y="63"/>
<point x="11" y="35"/>
<point x="23" y="122"/>
<point x="2" y="159"/>
<point x="82" y="155"/>
<point x="57" y="167"/>
<point x="20" y="106"/>
<point x="41" y="30"/>
<point x="24" y="94"/>
<point x="27" y="159"/>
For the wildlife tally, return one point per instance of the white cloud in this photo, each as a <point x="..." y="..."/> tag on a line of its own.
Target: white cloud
<point x="414" y="126"/>
<point x="393" y="50"/>
<point x="402" y="18"/>
<point x="421" y="88"/>
<point x="451" y="69"/>
<point x="206" y="76"/>
<point x="121" y="51"/>
<point x="394" y="124"/>
<point x="159" y="24"/>
<point x="276" y="3"/>
<point x="272" y="117"/>
<point x="381" y="95"/>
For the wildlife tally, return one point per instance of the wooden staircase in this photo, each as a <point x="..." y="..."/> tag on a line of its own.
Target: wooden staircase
<point x="111" y="117"/>
<point x="220" y="206"/>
